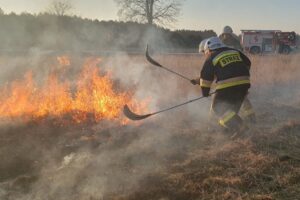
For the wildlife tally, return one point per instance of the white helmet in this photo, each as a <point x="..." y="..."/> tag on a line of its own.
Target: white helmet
<point x="213" y="43"/>
<point x="201" y="46"/>
<point x="227" y="29"/>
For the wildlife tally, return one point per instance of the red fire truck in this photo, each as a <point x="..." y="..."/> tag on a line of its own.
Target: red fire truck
<point x="268" y="41"/>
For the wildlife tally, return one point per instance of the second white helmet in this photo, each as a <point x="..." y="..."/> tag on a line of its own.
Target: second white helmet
<point x="213" y="43"/>
<point x="201" y="46"/>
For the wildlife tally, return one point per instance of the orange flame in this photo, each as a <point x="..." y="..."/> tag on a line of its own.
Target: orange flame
<point x="93" y="99"/>
<point x="64" y="60"/>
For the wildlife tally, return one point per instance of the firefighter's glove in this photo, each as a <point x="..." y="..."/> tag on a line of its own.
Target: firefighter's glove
<point x="195" y="81"/>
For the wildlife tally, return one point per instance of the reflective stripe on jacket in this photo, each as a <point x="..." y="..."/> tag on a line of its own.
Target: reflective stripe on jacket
<point x="233" y="82"/>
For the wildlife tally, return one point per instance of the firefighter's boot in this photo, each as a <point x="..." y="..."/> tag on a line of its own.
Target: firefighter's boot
<point x="232" y="123"/>
<point x="242" y="132"/>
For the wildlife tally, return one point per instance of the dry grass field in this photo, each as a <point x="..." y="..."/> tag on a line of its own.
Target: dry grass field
<point x="171" y="156"/>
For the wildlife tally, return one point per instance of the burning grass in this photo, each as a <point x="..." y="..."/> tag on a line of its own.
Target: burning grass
<point x="93" y="97"/>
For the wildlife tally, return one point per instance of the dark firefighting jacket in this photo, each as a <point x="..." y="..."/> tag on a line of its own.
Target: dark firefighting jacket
<point x="228" y="67"/>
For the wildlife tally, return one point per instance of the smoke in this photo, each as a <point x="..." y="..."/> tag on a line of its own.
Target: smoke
<point x="103" y="160"/>
<point x="93" y="162"/>
<point x="95" y="174"/>
<point x="275" y="79"/>
<point x="274" y="92"/>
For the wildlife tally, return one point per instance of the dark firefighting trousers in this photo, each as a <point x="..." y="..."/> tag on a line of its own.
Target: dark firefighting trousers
<point x="226" y="106"/>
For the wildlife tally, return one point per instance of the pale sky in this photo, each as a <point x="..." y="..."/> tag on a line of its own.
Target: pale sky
<point x="196" y="14"/>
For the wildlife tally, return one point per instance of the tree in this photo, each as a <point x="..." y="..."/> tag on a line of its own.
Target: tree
<point x="60" y="7"/>
<point x="163" y="12"/>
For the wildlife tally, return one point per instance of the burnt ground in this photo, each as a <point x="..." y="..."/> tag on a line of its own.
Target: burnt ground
<point x="152" y="160"/>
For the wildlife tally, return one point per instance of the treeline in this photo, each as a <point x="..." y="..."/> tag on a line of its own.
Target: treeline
<point x="72" y="33"/>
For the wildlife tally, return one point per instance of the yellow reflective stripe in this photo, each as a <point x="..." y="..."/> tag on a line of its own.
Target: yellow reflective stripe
<point x="231" y="84"/>
<point x="228" y="116"/>
<point x="205" y="83"/>
<point x="234" y="79"/>
<point x="224" y="54"/>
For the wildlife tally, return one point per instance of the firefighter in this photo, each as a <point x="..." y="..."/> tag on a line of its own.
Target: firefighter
<point x="230" y="69"/>
<point x="230" y="39"/>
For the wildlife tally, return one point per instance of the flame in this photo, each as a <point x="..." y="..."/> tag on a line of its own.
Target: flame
<point x="93" y="98"/>
<point x="64" y="60"/>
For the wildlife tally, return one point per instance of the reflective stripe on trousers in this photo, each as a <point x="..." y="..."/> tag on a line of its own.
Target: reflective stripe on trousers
<point x="226" y="118"/>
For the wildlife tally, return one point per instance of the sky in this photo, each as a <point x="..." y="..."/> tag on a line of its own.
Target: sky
<point x="195" y="14"/>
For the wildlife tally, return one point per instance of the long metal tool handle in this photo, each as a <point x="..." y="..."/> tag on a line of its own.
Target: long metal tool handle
<point x="133" y="116"/>
<point x="178" y="105"/>
<point x="154" y="62"/>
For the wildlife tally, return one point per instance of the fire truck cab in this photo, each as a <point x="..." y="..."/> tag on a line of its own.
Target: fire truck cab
<point x="268" y="41"/>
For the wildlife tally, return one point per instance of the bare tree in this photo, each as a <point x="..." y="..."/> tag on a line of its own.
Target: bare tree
<point x="163" y="12"/>
<point x="60" y="7"/>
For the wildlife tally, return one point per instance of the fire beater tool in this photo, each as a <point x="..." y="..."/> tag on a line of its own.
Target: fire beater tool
<point x="154" y="62"/>
<point x="133" y="116"/>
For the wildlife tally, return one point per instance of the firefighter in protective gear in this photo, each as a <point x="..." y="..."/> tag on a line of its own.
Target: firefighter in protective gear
<point x="230" y="69"/>
<point x="230" y="39"/>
